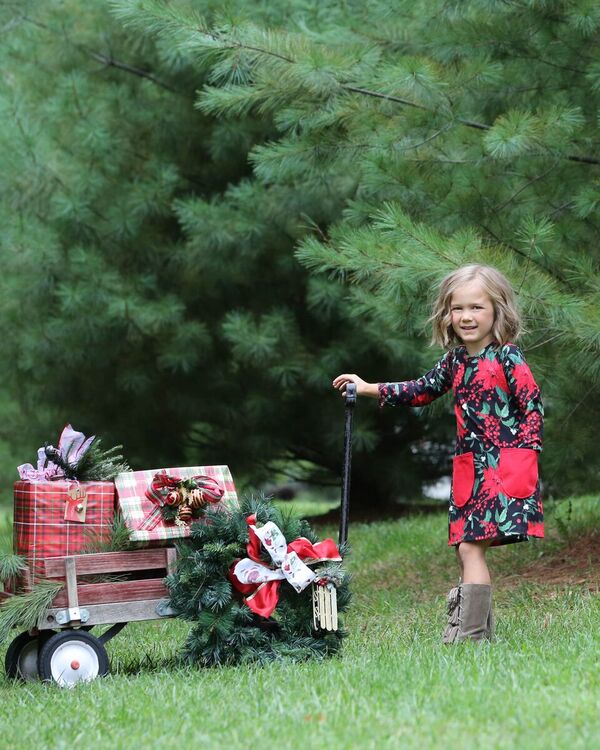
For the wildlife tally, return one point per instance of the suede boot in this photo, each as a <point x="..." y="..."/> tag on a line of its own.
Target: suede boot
<point x="491" y="624"/>
<point x="470" y="614"/>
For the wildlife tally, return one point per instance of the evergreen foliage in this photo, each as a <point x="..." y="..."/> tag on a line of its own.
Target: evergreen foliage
<point x="149" y="231"/>
<point x="115" y="540"/>
<point x="225" y="630"/>
<point x="469" y="132"/>
<point x="24" y="610"/>
<point x="96" y="464"/>
<point x="99" y="465"/>
<point x="149" y="289"/>
<point x="11" y="567"/>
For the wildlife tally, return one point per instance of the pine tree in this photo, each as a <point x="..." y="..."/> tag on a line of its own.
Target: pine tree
<point x="459" y="133"/>
<point x="149" y="288"/>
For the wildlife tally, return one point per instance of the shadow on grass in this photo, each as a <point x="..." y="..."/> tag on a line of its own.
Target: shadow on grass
<point x="152" y="660"/>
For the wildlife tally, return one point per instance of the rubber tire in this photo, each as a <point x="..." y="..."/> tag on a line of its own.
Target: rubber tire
<point x="13" y="656"/>
<point x="73" y="637"/>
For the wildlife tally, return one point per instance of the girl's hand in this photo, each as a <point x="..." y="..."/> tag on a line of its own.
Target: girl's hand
<point x="362" y="387"/>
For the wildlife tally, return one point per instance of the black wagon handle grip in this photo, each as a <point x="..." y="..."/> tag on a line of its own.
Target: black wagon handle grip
<point x="350" y="394"/>
<point x="350" y="401"/>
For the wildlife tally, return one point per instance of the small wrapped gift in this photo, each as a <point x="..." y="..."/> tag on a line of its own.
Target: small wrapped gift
<point x="65" y="505"/>
<point x="61" y="517"/>
<point x="158" y="505"/>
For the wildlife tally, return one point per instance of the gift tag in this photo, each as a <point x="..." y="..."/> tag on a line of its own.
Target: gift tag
<point x="325" y="614"/>
<point x="76" y="504"/>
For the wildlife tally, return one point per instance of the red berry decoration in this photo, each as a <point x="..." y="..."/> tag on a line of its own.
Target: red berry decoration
<point x="173" y="498"/>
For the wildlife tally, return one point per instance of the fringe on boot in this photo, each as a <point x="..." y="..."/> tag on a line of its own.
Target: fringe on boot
<point x="470" y="615"/>
<point x="452" y="600"/>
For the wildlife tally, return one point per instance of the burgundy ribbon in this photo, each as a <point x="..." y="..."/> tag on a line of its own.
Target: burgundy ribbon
<point x="163" y="483"/>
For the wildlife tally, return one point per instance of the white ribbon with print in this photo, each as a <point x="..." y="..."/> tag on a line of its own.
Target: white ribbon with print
<point x="289" y="565"/>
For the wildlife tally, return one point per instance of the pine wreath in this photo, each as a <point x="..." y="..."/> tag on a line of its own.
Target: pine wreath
<point x="226" y="631"/>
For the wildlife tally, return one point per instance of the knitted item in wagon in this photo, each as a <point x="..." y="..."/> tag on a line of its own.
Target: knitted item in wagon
<point x="142" y="495"/>
<point x="60" y="517"/>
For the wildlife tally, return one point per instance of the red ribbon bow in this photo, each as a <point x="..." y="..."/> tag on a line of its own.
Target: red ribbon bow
<point x="162" y="483"/>
<point x="262" y="597"/>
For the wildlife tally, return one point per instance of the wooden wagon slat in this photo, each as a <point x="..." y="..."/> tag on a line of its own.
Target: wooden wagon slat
<point x="121" y="591"/>
<point x="111" y="562"/>
<point x="71" y="574"/>
<point x="104" y="614"/>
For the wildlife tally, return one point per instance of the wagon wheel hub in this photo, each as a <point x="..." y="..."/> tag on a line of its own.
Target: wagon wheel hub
<point x="71" y="657"/>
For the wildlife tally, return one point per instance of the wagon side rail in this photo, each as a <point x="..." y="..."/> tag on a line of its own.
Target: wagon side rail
<point x="81" y="603"/>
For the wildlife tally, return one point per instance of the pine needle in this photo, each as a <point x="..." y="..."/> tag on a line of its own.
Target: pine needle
<point x="117" y="539"/>
<point x="11" y="566"/>
<point x="98" y="465"/>
<point x="24" y="610"/>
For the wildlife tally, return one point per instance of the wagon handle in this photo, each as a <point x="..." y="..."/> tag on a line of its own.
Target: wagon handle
<point x="350" y="401"/>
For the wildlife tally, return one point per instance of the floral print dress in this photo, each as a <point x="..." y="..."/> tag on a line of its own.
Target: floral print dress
<point x="499" y="421"/>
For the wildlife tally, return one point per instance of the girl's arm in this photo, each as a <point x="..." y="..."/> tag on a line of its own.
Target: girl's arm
<point x="419" y="392"/>
<point x="422" y="391"/>
<point x="526" y="395"/>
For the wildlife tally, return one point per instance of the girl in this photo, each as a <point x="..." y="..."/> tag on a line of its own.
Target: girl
<point x="495" y="496"/>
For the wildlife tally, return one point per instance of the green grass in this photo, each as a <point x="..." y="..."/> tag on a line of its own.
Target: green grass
<point x="305" y="506"/>
<point x="395" y="686"/>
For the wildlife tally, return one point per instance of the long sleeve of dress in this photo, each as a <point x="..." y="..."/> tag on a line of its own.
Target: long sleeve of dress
<point x="419" y="392"/>
<point x="526" y="396"/>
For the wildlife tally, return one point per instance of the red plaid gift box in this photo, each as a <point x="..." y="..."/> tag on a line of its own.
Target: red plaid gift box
<point x="40" y="527"/>
<point x="137" y="508"/>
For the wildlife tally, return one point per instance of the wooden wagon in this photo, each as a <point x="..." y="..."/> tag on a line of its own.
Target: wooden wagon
<point x="61" y="648"/>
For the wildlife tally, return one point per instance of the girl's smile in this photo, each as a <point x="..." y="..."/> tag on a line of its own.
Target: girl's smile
<point x="473" y="316"/>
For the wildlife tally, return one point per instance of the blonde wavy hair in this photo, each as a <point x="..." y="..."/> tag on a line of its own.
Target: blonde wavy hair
<point x="507" y="323"/>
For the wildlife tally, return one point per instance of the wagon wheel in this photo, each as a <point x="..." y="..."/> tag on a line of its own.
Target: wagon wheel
<point x="21" y="660"/>
<point x="72" y="656"/>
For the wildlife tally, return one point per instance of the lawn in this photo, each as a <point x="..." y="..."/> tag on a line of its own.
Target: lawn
<point x="395" y="685"/>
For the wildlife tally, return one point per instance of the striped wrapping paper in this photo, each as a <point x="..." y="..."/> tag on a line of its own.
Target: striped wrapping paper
<point x="39" y="526"/>
<point x="135" y="507"/>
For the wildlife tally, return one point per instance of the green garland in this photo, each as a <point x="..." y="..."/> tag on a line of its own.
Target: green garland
<point x="226" y="631"/>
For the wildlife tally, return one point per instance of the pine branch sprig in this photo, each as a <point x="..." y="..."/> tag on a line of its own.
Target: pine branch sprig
<point x="24" y="610"/>
<point x="11" y="567"/>
<point x="98" y="465"/>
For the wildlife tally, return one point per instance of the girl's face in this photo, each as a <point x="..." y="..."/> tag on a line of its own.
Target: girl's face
<point x="472" y="316"/>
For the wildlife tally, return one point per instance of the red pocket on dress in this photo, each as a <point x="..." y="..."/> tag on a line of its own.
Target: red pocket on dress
<point x="518" y="468"/>
<point x="463" y="477"/>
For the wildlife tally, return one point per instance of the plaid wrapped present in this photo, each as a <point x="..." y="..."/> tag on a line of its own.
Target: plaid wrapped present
<point x="141" y="513"/>
<point x="58" y="518"/>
